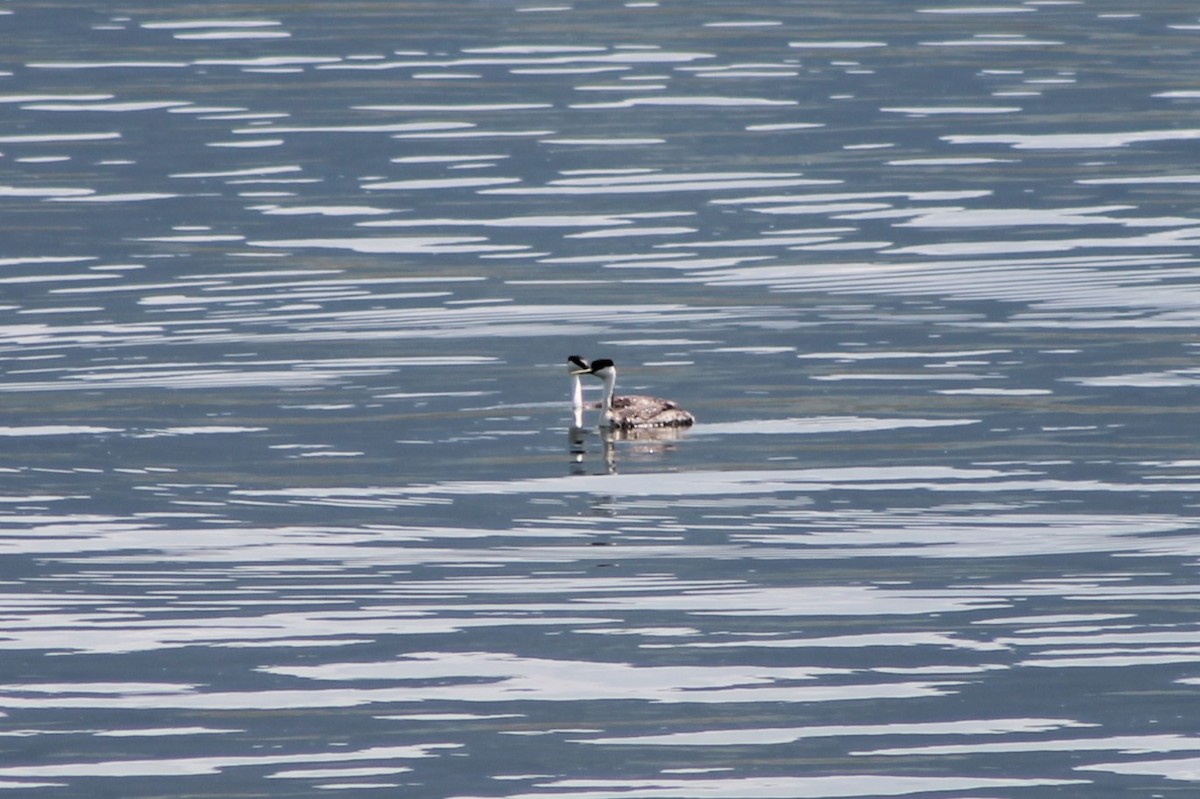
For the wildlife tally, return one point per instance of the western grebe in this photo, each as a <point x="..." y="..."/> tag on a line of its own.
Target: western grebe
<point x="626" y="413"/>
<point x="577" y="366"/>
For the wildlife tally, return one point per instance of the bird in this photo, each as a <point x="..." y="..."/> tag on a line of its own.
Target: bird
<point x="635" y="411"/>
<point x="576" y="366"/>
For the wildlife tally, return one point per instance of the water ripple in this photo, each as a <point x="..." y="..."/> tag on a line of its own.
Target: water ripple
<point x="287" y="426"/>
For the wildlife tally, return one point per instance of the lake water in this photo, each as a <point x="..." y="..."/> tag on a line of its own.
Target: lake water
<point x="290" y="499"/>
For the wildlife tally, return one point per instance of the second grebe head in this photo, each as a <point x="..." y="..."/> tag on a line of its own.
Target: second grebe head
<point x="602" y="368"/>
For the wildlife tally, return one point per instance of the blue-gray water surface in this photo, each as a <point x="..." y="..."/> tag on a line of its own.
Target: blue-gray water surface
<point x="290" y="494"/>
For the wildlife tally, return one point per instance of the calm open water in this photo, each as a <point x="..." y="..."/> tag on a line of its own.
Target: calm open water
<point x="289" y="495"/>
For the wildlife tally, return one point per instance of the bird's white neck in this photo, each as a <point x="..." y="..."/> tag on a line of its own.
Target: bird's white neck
<point x="576" y="392"/>
<point x="610" y="385"/>
<point x="577" y="400"/>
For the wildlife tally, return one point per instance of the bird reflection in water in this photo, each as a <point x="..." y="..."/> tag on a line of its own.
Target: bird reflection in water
<point x="638" y="444"/>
